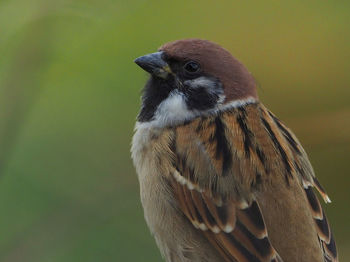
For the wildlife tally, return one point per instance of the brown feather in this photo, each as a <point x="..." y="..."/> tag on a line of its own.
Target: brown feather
<point x="252" y="218"/>
<point x="315" y="205"/>
<point x="213" y="239"/>
<point x="238" y="242"/>
<point x="213" y="208"/>
<point x="261" y="151"/>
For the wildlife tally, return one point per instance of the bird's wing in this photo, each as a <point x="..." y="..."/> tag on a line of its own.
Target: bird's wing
<point x="221" y="161"/>
<point x="324" y="232"/>
<point x="204" y="165"/>
<point x="236" y="230"/>
<point x="309" y="181"/>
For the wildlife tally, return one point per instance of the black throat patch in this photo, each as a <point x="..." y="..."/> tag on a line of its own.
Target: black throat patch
<point x="155" y="91"/>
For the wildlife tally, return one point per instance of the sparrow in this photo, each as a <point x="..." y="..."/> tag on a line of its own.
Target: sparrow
<point x="221" y="177"/>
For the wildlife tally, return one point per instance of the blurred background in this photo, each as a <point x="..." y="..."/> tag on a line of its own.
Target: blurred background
<point x="69" y="95"/>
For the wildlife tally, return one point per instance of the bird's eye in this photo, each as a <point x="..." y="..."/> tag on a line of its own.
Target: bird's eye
<point x="192" y="67"/>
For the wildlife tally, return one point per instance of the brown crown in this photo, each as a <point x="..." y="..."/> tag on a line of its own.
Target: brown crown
<point x="214" y="60"/>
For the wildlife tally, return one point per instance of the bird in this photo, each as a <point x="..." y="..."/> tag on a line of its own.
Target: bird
<point x="221" y="177"/>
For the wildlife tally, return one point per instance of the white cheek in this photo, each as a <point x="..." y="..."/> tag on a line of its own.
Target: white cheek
<point x="172" y="110"/>
<point x="201" y="82"/>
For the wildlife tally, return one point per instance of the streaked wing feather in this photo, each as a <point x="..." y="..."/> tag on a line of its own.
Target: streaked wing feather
<point x="237" y="234"/>
<point x="324" y="232"/>
<point x="221" y="160"/>
<point x="309" y="182"/>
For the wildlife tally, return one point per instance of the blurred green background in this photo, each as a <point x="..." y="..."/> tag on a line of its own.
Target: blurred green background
<point x="69" y="95"/>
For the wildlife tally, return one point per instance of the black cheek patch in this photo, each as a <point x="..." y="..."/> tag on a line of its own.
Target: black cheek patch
<point x="200" y="99"/>
<point x="203" y="97"/>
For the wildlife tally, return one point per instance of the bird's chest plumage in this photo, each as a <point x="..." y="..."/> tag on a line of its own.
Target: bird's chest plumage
<point x="174" y="234"/>
<point x="151" y="172"/>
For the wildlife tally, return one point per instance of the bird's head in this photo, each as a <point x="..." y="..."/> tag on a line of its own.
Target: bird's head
<point x="191" y="78"/>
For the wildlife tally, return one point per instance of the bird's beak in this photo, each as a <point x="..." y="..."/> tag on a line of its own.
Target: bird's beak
<point x="154" y="64"/>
